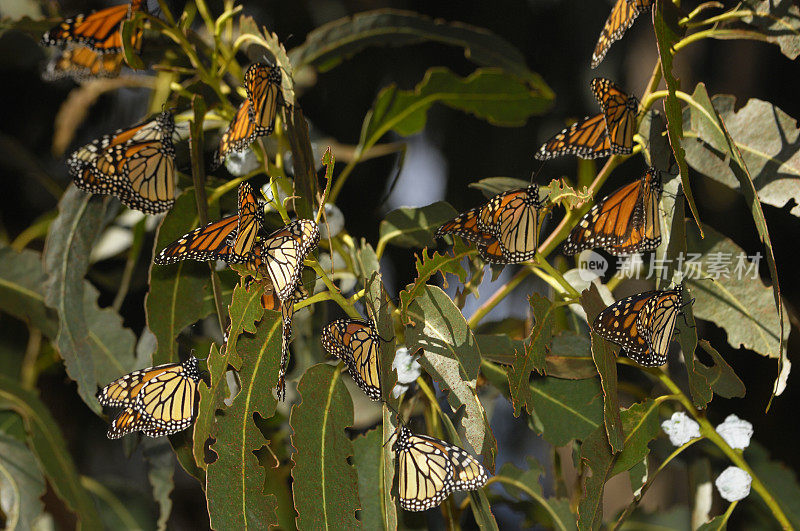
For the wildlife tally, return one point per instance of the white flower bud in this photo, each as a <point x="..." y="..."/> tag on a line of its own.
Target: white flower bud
<point x="736" y="432"/>
<point x="733" y="484"/>
<point x="241" y="163"/>
<point x="408" y="370"/>
<point x="680" y="428"/>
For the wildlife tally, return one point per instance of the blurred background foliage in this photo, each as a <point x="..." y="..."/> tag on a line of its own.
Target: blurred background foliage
<point x="556" y="38"/>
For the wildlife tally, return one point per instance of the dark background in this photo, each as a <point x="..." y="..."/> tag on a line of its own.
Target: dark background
<point x="556" y="37"/>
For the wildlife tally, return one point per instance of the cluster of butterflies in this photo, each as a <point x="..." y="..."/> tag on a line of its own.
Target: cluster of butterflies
<point x="137" y="166"/>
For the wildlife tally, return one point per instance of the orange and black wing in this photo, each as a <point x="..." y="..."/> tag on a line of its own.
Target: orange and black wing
<point x="241" y="132"/>
<point x="586" y="139"/>
<point x="282" y="253"/>
<point x="128" y="421"/>
<point x="627" y="221"/>
<point x="100" y="30"/>
<point x="250" y="222"/>
<point x="137" y="165"/>
<point x="357" y="344"/>
<point x="513" y="218"/>
<point x="81" y="63"/>
<point x="621" y="18"/>
<point x="619" y="110"/>
<point x="466" y="225"/>
<point x="211" y="242"/>
<point x="263" y="86"/>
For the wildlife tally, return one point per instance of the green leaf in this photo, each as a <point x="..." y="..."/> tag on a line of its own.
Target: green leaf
<point x="452" y="358"/>
<point x="179" y="293"/>
<point x="524" y="484"/>
<point x="488" y="94"/>
<point x="558" y="192"/>
<point x="366" y="260"/>
<point x="377" y="511"/>
<point x="596" y="454"/>
<point x="377" y="301"/>
<point x="717" y="134"/>
<point x="668" y="32"/>
<point x="779" y="480"/>
<point x="328" y="45"/>
<point x="21" y="293"/>
<point x="563" y="410"/>
<point x="640" y="425"/>
<point x="50" y="448"/>
<point x="414" y="227"/>
<point x="491" y="186"/>
<point x="678" y="517"/>
<point x="325" y="485"/>
<point x="532" y="356"/>
<point x="742" y="306"/>
<point x="777" y="22"/>
<point x="604" y="355"/>
<point x="21" y="485"/>
<point x="720" y="375"/>
<point x="94" y="345"/>
<point x="767" y="137"/>
<point x="568" y="356"/>
<point x="160" y="470"/>
<point x="657" y="151"/>
<point x="428" y="266"/>
<point x="236" y="479"/>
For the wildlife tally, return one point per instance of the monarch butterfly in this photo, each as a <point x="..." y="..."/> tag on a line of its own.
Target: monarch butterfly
<point x="642" y="324"/>
<point x="431" y="469"/>
<point x="81" y="63"/>
<point x="137" y="165"/>
<point x="100" y="30"/>
<point x="505" y="229"/>
<point x="230" y="239"/>
<point x="157" y="401"/>
<point x="256" y="114"/>
<point x="601" y="135"/>
<point x="282" y="253"/>
<point x="621" y="18"/>
<point x="627" y="221"/>
<point x="357" y="344"/>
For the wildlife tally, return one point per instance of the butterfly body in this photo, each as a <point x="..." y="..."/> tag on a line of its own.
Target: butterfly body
<point x="357" y="344"/>
<point x="608" y="133"/>
<point x="137" y="165"/>
<point x="626" y="221"/>
<point x="431" y="469"/>
<point x="282" y="253"/>
<point x="642" y="324"/>
<point x="505" y="229"/>
<point x="157" y="401"/>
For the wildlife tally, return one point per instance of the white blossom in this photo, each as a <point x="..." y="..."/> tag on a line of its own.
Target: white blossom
<point x="736" y="432"/>
<point x="241" y="163"/>
<point x="733" y="484"/>
<point x="408" y="370"/>
<point x="680" y="428"/>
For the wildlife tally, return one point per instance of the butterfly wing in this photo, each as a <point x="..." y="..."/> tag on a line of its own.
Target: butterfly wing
<point x="287" y="313"/>
<point x="81" y="64"/>
<point x="123" y="391"/>
<point x="513" y="219"/>
<point x="210" y="242"/>
<point x="358" y="345"/>
<point x="623" y="222"/>
<point x="619" y="324"/>
<point x="586" y="139"/>
<point x="656" y="324"/>
<point x="169" y="399"/>
<point x="250" y="221"/>
<point x="263" y="86"/>
<point x="241" y="132"/>
<point x="619" y="110"/>
<point x="621" y="18"/>
<point x="135" y="164"/>
<point x="100" y="30"/>
<point x="128" y="421"/>
<point x="282" y="254"/>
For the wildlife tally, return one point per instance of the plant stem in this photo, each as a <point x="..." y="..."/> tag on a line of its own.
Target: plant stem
<point x="27" y="372"/>
<point x="116" y="506"/>
<point x="534" y="495"/>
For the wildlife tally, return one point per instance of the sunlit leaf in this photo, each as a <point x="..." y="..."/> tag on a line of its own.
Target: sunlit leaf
<point x="235" y="478"/>
<point x="767" y="137"/>
<point x="427" y="267"/>
<point x="640" y="426"/>
<point x="452" y="358"/>
<point x="48" y="444"/>
<point x="325" y="484"/>
<point x="776" y="22"/>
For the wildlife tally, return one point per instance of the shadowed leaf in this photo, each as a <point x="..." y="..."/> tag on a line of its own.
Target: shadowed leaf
<point x="414" y="227"/>
<point x="47" y="443"/>
<point x="21" y="289"/>
<point x="569" y="355"/>
<point x="452" y="358"/>
<point x="377" y="512"/>
<point x="604" y="355"/>
<point x="325" y="485"/>
<point x="21" y="485"/>
<point x="640" y="425"/>
<point x="178" y="292"/>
